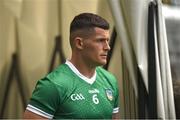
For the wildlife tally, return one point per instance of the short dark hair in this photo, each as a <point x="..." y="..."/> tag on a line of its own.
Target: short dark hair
<point x="86" y="22"/>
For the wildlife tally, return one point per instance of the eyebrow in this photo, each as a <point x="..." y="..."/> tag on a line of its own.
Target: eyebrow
<point x="102" y="37"/>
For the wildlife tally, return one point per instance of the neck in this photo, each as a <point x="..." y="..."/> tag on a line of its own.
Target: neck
<point x="83" y="67"/>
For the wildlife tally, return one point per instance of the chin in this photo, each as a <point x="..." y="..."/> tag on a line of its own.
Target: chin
<point x="102" y="63"/>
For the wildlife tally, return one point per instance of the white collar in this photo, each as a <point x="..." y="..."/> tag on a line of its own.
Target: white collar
<point x="76" y="71"/>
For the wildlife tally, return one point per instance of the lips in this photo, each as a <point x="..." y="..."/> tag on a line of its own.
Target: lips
<point x="104" y="56"/>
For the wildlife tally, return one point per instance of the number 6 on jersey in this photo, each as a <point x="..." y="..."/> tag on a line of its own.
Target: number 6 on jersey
<point x="95" y="99"/>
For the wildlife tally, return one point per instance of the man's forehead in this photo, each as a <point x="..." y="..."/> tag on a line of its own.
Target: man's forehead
<point x="102" y="32"/>
<point x="97" y="29"/>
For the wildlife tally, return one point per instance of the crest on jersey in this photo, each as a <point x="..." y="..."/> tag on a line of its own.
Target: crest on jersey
<point x="109" y="94"/>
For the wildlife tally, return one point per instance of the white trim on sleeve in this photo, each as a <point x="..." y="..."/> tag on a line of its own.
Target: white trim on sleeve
<point x="39" y="112"/>
<point x="116" y="110"/>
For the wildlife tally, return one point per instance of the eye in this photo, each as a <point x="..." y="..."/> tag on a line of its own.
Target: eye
<point x="101" y="40"/>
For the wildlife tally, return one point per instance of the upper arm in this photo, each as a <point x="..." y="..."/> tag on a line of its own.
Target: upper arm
<point x="116" y="115"/>
<point x="30" y="115"/>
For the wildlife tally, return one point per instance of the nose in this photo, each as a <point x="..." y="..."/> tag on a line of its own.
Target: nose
<point x="107" y="47"/>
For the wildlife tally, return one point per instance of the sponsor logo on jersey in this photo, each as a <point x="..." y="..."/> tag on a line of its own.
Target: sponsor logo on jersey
<point x="93" y="91"/>
<point x="109" y="94"/>
<point x="75" y="97"/>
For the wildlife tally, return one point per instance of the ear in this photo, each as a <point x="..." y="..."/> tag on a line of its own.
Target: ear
<point x="79" y="43"/>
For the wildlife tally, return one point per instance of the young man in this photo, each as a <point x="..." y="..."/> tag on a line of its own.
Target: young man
<point x="80" y="88"/>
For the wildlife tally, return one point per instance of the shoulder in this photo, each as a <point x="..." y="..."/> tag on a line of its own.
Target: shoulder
<point x="44" y="85"/>
<point x="55" y="82"/>
<point x="61" y="75"/>
<point x="105" y="73"/>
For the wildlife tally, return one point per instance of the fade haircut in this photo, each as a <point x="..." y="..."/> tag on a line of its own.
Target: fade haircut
<point x="85" y="23"/>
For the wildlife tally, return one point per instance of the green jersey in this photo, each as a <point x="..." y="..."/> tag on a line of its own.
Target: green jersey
<point x="64" y="94"/>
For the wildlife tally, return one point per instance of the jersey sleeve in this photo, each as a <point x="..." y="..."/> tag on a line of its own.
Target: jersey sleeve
<point x="45" y="99"/>
<point x="116" y="103"/>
